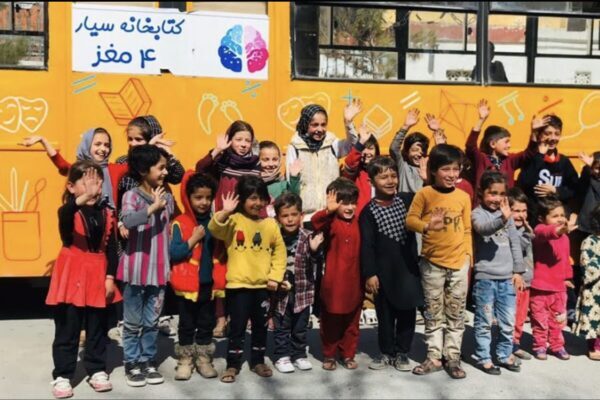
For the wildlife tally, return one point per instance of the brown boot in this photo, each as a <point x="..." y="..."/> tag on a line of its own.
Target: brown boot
<point x="185" y="362"/>
<point x="204" y="360"/>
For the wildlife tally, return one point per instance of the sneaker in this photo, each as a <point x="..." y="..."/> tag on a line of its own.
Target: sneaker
<point x="303" y="364"/>
<point x="362" y="321"/>
<point x="381" y="362"/>
<point x="370" y="317"/>
<point x="164" y="326"/>
<point x="116" y="333"/>
<point x="562" y="354"/>
<point x="99" y="382"/>
<point x="61" y="388"/>
<point x="135" y="377"/>
<point x="284" y="365"/>
<point x="402" y="363"/>
<point x="153" y="377"/>
<point x="540" y="354"/>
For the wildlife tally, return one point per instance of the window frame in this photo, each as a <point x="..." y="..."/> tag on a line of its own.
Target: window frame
<point x="14" y="32"/>
<point x="483" y="12"/>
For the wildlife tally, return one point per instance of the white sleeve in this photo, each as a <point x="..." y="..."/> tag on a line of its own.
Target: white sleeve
<point x="290" y="156"/>
<point x="341" y="148"/>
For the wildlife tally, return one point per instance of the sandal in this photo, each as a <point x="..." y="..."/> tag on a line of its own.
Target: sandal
<point x="350" y="363"/>
<point x="229" y="375"/>
<point x="329" y="364"/>
<point x="594" y="355"/>
<point x="455" y="371"/>
<point x="426" y="368"/>
<point x="262" y="370"/>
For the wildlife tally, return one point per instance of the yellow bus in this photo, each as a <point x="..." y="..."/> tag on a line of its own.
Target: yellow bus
<point x="525" y="58"/>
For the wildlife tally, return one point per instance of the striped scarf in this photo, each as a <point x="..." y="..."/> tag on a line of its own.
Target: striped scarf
<point x="233" y="165"/>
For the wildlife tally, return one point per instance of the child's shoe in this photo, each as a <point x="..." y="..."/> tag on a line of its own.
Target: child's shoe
<point x="185" y="362"/>
<point x="153" y="377"/>
<point x="402" y="363"/>
<point x="164" y="326"/>
<point x="135" y="377"/>
<point x="370" y="317"/>
<point x="522" y="354"/>
<point x="540" y="354"/>
<point x="381" y="363"/>
<point x="284" y="365"/>
<point x="61" y="388"/>
<point x="562" y="354"/>
<point x="204" y="360"/>
<point x="303" y="364"/>
<point x="99" y="382"/>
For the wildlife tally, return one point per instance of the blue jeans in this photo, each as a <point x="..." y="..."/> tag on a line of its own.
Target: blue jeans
<point x="142" y="306"/>
<point x="494" y="298"/>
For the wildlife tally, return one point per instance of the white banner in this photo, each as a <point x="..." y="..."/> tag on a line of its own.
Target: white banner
<point x="137" y="40"/>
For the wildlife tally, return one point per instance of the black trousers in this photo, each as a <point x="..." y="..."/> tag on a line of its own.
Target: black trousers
<point x="290" y="332"/>
<point x="68" y="322"/>
<point x="197" y="318"/>
<point x="396" y="328"/>
<point x="243" y="305"/>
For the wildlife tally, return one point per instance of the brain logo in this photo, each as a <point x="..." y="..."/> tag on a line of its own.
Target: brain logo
<point x="254" y="52"/>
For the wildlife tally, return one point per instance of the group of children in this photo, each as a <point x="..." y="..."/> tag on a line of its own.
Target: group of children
<point x="408" y="229"/>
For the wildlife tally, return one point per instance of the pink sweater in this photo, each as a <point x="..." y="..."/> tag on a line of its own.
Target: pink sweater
<point x="551" y="255"/>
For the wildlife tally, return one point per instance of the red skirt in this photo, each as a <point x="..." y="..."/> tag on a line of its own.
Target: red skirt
<point x="79" y="279"/>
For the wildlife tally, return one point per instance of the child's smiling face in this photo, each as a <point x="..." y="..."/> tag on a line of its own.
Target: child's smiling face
<point x="270" y="159"/>
<point x="100" y="148"/>
<point x="317" y="128"/>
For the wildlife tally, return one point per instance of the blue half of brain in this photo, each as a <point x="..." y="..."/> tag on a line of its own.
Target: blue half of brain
<point x="229" y="60"/>
<point x="230" y="51"/>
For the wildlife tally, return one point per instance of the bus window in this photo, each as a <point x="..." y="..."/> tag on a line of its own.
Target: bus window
<point x="23" y="41"/>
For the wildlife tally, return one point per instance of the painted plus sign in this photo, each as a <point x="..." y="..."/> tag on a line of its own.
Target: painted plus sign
<point x="349" y="96"/>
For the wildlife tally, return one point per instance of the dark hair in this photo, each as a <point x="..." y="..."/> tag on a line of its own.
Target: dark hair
<point x="346" y="190"/>
<point x="547" y="204"/>
<point x="416" y="137"/>
<point x="515" y="194"/>
<point x="142" y="158"/>
<point x="144" y="127"/>
<point x="76" y="172"/>
<point x="443" y="154"/>
<point x="238" y="126"/>
<point x="595" y="220"/>
<point x="200" y="180"/>
<point x="492" y="132"/>
<point x="488" y="178"/>
<point x="247" y="186"/>
<point x="372" y="141"/>
<point x="596" y="157"/>
<point x="267" y="144"/>
<point x="554" y="121"/>
<point x="381" y="164"/>
<point x="287" y="199"/>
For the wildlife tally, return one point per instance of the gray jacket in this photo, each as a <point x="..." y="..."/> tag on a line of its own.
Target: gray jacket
<point x="408" y="175"/>
<point x="497" y="245"/>
<point x="527" y="249"/>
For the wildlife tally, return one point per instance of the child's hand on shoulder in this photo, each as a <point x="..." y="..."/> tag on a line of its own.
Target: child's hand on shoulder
<point x="352" y="109"/>
<point x="332" y="202"/>
<point x="411" y="119"/>
<point x="315" y="241"/>
<point x="230" y="202"/>
<point x="483" y="109"/>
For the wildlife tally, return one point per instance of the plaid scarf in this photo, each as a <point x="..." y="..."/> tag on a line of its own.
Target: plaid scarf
<point x="232" y="164"/>
<point x="306" y="115"/>
<point x="391" y="220"/>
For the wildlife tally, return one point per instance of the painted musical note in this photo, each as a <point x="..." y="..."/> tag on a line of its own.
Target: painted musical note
<point x="511" y="97"/>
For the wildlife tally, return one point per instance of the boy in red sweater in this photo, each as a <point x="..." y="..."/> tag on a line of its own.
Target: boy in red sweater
<point x="341" y="288"/>
<point x="551" y="276"/>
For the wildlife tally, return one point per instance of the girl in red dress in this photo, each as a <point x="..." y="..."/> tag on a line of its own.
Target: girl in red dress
<point x="82" y="281"/>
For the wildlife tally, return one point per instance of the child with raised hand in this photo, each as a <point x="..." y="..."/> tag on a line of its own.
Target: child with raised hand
<point x="144" y="266"/>
<point x="518" y="206"/>
<point x="96" y="146"/>
<point x="388" y="258"/>
<point x="319" y="151"/>
<point x="256" y="264"/>
<point x="89" y="255"/>
<point x="356" y="163"/>
<point x="551" y="276"/>
<point x="191" y="251"/>
<point x="341" y="289"/>
<point x="442" y="215"/>
<point x="588" y="320"/>
<point x="270" y="172"/>
<point x="493" y="152"/>
<point x="293" y="305"/>
<point x="498" y="269"/>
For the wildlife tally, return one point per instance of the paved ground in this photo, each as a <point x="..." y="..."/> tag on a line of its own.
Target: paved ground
<point x="26" y="364"/>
